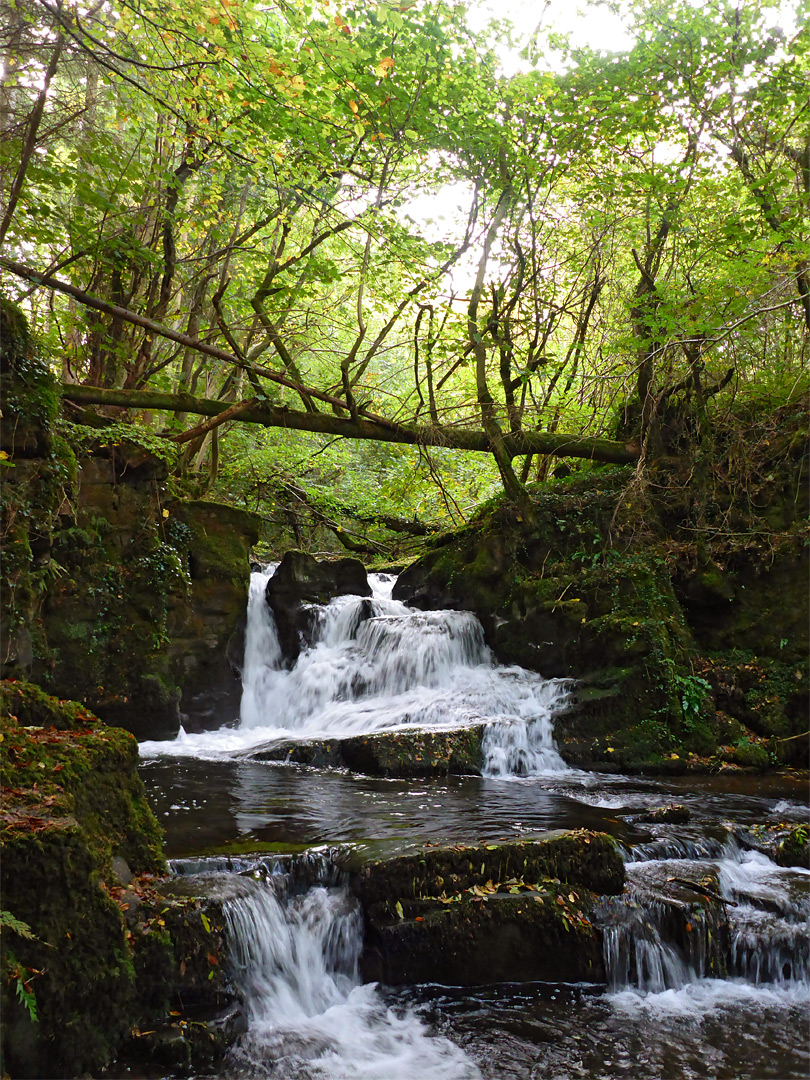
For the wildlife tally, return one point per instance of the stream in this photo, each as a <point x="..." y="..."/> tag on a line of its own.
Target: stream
<point x="275" y="831"/>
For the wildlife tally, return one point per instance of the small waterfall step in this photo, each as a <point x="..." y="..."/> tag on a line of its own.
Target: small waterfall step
<point x="295" y="959"/>
<point x="734" y="916"/>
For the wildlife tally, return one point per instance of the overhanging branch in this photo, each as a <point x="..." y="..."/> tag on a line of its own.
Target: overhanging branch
<point x="532" y="442"/>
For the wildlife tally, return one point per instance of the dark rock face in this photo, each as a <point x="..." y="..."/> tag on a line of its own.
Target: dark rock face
<point x="113" y="595"/>
<point x="679" y="661"/>
<point x="390" y="753"/>
<point x="301" y="580"/>
<point x="106" y="955"/>
<point x="141" y="615"/>
<point x="479" y="941"/>
<point x="207" y="633"/>
<point x="490" y="913"/>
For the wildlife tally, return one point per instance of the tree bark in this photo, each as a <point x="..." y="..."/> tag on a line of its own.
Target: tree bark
<point x="515" y="445"/>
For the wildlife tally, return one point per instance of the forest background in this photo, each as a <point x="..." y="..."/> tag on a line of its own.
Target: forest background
<point x="311" y="253"/>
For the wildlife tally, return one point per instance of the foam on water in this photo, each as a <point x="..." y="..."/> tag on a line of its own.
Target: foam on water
<point x="767" y="913"/>
<point x="295" y="958"/>
<point x="701" y="998"/>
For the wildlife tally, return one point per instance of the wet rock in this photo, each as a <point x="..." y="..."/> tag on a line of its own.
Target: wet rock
<point x="794" y="850"/>
<point x="301" y="580"/>
<point x="589" y="860"/>
<point x="121" y="870"/>
<point x="206" y="631"/>
<point x="416" y="753"/>
<point x="392" y="753"/>
<point x="481" y="940"/>
<point x="786" y="845"/>
<point x="320" y="753"/>
<point x="189" y="1044"/>
<point x="473" y="915"/>
<point x="300" y="577"/>
<point x="674" y="814"/>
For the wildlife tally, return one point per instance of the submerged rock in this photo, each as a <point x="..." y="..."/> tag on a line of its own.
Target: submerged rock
<point x="674" y="814"/>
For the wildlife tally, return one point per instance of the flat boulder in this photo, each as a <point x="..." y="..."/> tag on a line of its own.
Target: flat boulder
<point x="587" y="859"/>
<point x="388" y="753"/>
<point x="487" y="913"/>
<point x="479" y="940"/>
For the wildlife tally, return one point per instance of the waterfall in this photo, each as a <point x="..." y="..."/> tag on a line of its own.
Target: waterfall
<point x="372" y="664"/>
<point x="262" y="650"/>
<point x="295" y="955"/>
<point x="658" y="943"/>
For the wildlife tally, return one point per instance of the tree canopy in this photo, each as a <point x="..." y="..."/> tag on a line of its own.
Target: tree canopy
<point x="215" y="209"/>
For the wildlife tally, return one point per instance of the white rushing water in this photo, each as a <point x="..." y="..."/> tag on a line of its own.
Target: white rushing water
<point x="295" y="957"/>
<point x="767" y="908"/>
<point x="374" y="665"/>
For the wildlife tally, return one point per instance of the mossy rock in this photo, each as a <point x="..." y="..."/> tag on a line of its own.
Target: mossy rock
<point x="794" y="849"/>
<point x="97" y="959"/>
<point x="582" y="858"/>
<point x="218" y="540"/>
<point x="472" y="915"/>
<point x="29" y="705"/>
<point x="73" y="800"/>
<point x="389" y="753"/>
<point x="86" y="769"/>
<point x="542" y="934"/>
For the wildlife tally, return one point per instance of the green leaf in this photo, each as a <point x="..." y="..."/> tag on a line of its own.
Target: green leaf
<point x="17" y="926"/>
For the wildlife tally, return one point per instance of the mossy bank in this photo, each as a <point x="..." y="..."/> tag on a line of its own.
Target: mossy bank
<point x="682" y="613"/>
<point x="92" y="951"/>
<point x="115" y="593"/>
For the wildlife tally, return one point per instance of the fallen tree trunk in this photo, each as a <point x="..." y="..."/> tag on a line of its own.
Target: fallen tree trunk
<point x="530" y="442"/>
<point x="363" y="425"/>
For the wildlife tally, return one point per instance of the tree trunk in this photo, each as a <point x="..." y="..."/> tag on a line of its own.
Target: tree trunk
<point x="514" y="445"/>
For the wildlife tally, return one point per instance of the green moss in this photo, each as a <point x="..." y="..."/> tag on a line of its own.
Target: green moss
<point x="103" y="960"/>
<point x="583" y="858"/>
<point x="72" y="800"/>
<point x="84" y="768"/>
<point x="794" y="849"/>
<point x="30" y="706"/>
<point x="216" y="539"/>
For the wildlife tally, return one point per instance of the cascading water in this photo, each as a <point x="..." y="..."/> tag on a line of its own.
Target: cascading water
<point x="696" y="987"/>
<point x="752" y="912"/>
<point x="374" y="665"/>
<point x="262" y="650"/>
<point x="295" y="956"/>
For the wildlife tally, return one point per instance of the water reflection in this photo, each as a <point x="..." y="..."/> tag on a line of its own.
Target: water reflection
<point x="208" y="807"/>
<point x="229" y="806"/>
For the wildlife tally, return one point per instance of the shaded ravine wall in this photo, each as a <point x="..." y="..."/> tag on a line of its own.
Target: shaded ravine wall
<point x="114" y="594"/>
<point x="684" y="655"/>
